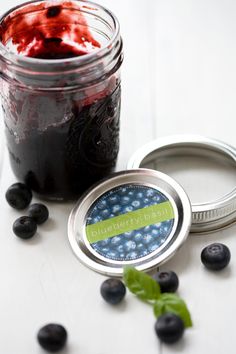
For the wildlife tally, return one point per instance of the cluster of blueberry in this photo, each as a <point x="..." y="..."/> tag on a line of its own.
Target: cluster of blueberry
<point x="168" y="327"/>
<point x="19" y="197"/>
<point x="133" y="244"/>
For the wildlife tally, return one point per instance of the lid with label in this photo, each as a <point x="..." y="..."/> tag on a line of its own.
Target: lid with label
<point x="134" y="217"/>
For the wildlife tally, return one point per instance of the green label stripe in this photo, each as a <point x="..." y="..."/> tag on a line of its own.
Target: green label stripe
<point x="130" y="221"/>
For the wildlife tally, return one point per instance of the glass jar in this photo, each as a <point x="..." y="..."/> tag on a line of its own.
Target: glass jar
<point x="60" y="68"/>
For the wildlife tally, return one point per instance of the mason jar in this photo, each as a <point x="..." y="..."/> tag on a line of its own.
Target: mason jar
<point x="60" y="86"/>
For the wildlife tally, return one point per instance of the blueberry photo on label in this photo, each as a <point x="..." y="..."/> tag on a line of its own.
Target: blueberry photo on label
<point x="140" y="238"/>
<point x="215" y="256"/>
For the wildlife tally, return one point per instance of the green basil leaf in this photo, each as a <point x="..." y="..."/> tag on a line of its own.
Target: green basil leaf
<point x="172" y="303"/>
<point x="141" y="284"/>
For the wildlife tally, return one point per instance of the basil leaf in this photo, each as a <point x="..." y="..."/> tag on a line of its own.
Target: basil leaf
<point x="141" y="284"/>
<point x="171" y="303"/>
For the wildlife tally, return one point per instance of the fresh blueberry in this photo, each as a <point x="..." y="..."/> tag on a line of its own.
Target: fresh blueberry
<point x="167" y="280"/>
<point x="18" y="196"/>
<point x="169" y="328"/>
<point x="113" y="291"/>
<point x="39" y="212"/>
<point x="24" y="227"/>
<point x="52" y="337"/>
<point x="215" y="256"/>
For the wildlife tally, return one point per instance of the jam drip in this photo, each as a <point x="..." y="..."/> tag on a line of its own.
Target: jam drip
<point x="55" y="32"/>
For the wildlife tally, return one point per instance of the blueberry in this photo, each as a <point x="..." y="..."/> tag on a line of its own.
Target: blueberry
<point x="18" y="196"/>
<point x="123" y="191"/>
<point x="105" y="242"/>
<point x="105" y="213"/>
<point x="25" y="227"/>
<point x="215" y="256"/>
<point x="130" y="246"/>
<point x="125" y="201"/>
<point x="139" y="195"/>
<point x="147" y="238"/>
<point x="169" y="328"/>
<point x="116" y="209"/>
<point x="102" y="205"/>
<point x="127" y="209"/>
<point x="138" y="237"/>
<point x="150" y="193"/>
<point x="112" y="254"/>
<point x="132" y="255"/>
<point x="120" y="249"/>
<point x="52" y="337"/>
<point x="39" y="213"/>
<point x="113" y="291"/>
<point x="128" y="234"/>
<point x="114" y="199"/>
<point x="116" y="240"/>
<point x="136" y="204"/>
<point x="153" y="246"/>
<point x="167" y="280"/>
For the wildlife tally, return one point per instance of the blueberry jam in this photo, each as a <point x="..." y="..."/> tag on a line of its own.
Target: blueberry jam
<point x="64" y="160"/>
<point x="60" y="140"/>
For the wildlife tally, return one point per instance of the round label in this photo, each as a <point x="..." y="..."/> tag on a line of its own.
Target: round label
<point x="129" y="222"/>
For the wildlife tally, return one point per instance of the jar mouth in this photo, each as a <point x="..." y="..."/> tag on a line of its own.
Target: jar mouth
<point x="7" y="55"/>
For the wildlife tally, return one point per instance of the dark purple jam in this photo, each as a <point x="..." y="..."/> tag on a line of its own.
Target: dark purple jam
<point x="66" y="159"/>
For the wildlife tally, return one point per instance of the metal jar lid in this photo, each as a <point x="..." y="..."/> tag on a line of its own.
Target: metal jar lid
<point x="206" y="217"/>
<point x="138" y="217"/>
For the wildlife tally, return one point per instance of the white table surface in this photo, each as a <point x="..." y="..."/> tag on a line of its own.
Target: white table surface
<point x="179" y="77"/>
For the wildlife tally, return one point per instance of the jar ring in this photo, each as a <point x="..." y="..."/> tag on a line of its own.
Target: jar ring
<point x="209" y="216"/>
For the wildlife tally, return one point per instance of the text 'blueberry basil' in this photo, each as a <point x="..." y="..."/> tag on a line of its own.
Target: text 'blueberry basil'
<point x="129" y="222"/>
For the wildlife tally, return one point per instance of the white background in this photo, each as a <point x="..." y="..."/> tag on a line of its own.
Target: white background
<point x="178" y="76"/>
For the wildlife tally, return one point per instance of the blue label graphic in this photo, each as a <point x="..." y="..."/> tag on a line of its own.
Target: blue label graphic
<point x="134" y="244"/>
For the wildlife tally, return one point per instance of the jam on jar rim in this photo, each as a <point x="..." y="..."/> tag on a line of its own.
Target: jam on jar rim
<point x="71" y="73"/>
<point x="83" y="59"/>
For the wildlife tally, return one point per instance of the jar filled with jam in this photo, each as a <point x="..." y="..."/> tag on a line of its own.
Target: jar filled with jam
<point x="60" y="85"/>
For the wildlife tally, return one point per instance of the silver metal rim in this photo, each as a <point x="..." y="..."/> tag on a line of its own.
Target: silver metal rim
<point x="158" y="180"/>
<point x="206" y="217"/>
